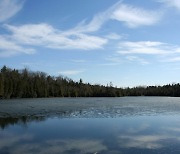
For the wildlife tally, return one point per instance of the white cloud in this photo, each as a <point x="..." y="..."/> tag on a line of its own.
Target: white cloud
<point x="137" y="59"/>
<point x="114" y="59"/>
<point x="147" y="47"/>
<point x="117" y="60"/>
<point x="9" y="8"/>
<point x="144" y="52"/>
<point x="134" y="17"/>
<point x="171" y="3"/>
<point x="93" y="26"/>
<point x="22" y="39"/>
<point x="47" y="36"/>
<point x="9" y="48"/>
<point x="109" y="64"/>
<point x="113" y="36"/>
<point x="71" y="72"/>
<point x="172" y="59"/>
<point x="98" y="20"/>
<point x="78" y="60"/>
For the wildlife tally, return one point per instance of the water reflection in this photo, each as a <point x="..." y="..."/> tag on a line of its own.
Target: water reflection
<point x="142" y="141"/>
<point x="142" y="134"/>
<point x="93" y="126"/>
<point x="53" y="146"/>
<point x="90" y="107"/>
<point x="5" y="122"/>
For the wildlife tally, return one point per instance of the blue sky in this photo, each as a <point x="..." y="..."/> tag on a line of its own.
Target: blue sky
<point x="129" y="43"/>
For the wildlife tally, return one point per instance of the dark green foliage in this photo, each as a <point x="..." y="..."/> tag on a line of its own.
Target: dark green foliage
<point x="27" y="84"/>
<point x="1" y="85"/>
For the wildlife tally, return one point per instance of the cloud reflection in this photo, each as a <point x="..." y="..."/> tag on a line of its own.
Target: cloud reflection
<point x="27" y="144"/>
<point x="10" y="140"/>
<point x="142" y="141"/>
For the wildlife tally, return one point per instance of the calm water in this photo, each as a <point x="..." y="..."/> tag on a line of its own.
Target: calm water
<point x="90" y="125"/>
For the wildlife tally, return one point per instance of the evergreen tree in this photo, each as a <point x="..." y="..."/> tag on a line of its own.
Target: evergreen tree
<point x="27" y="84"/>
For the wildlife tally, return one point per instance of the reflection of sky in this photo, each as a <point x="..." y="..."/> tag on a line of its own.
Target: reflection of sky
<point x="56" y="146"/>
<point x="142" y="134"/>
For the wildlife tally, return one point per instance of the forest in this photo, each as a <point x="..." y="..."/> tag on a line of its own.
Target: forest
<point x="28" y="84"/>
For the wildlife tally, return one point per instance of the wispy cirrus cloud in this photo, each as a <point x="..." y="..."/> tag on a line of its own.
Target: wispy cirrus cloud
<point x="144" y="52"/>
<point x="78" y="61"/>
<point x="131" y="16"/>
<point x="113" y="36"/>
<point x="134" y="17"/>
<point x="79" y="37"/>
<point x="137" y="59"/>
<point x="172" y="59"/>
<point x="147" y="47"/>
<point x="47" y="36"/>
<point x="8" y="8"/>
<point x="118" y="60"/>
<point x="97" y="21"/>
<point x="171" y="3"/>
<point x="25" y="38"/>
<point x="10" y="48"/>
<point x="71" y="72"/>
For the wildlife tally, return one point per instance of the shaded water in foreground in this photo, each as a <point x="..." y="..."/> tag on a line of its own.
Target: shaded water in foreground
<point x="91" y="125"/>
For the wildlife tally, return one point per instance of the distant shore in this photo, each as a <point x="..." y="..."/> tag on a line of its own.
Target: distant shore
<point x="27" y="84"/>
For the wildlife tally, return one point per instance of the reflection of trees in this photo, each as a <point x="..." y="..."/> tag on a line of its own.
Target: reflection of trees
<point x="23" y="120"/>
<point x="5" y="122"/>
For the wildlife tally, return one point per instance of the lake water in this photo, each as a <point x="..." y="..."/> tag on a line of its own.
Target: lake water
<point x="90" y="125"/>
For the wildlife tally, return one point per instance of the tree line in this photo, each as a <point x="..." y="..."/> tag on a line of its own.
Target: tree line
<point x="27" y="84"/>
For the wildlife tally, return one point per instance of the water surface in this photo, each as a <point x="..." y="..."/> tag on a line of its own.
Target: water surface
<point x="90" y="125"/>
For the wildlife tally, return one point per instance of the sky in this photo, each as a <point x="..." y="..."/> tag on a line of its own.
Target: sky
<point x="128" y="43"/>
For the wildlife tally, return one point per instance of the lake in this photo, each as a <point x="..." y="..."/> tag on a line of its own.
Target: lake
<point x="90" y="125"/>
